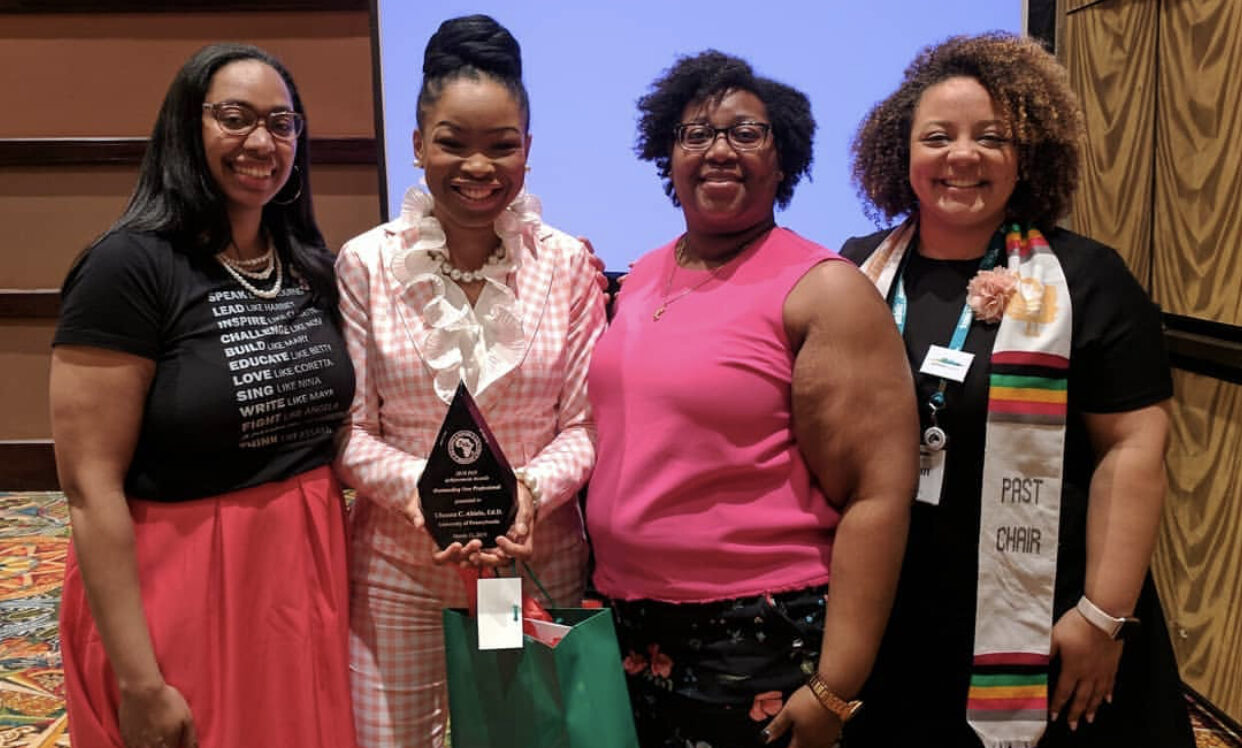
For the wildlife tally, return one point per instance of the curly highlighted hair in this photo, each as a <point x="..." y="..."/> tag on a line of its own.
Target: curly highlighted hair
<point x="1029" y="87"/>
<point x="707" y="78"/>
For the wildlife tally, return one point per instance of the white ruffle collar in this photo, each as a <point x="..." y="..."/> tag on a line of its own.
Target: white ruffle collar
<point x="479" y="344"/>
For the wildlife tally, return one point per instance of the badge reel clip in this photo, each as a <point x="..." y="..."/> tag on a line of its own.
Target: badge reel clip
<point x="934" y="437"/>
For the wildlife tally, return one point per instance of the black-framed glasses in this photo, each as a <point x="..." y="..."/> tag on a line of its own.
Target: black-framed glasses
<point x="742" y="136"/>
<point x="240" y="119"/>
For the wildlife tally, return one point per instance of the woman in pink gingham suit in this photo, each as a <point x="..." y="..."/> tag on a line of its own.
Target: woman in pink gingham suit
<point x="466" y="285"/>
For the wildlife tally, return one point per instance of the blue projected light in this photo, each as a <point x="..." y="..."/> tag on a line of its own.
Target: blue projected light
<point x="585" y="65"/>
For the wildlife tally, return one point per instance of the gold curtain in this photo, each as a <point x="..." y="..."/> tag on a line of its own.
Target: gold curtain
<point x="1161" y="86"/>
<point x="1112" y="63"/>
<point x="1197" y="234"/>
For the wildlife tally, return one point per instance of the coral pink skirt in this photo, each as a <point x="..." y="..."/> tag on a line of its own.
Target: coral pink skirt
<point x="246" y="599"/>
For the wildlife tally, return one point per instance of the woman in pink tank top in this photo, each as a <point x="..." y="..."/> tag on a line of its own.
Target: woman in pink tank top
<point x="756" y="432"/>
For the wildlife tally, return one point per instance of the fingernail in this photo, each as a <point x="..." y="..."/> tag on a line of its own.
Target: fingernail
<point x="767" y="735"/>
<point x="1090" y="718"/>
<point x="1073" y="725"/>
<point x="1109" y="698"/>
<point x="1054" y="716"/>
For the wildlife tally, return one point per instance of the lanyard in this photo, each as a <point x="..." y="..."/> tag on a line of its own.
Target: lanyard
<point x="934" y="437"/>
<point x="964" y="320"/>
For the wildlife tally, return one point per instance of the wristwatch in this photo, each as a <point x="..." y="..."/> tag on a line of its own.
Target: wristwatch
<point x="1115" y="628"/>
<point x="845" y="710"/>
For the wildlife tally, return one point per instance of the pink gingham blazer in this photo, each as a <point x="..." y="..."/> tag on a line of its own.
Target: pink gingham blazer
<point x="538" y="409"/>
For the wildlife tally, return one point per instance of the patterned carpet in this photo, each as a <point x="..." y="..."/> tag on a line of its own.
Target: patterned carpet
<point x="34" y="533"/>
<point x="34" y="536"/>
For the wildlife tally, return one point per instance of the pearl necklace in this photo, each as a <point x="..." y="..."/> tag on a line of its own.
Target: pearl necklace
<point x="253" y="262"/>
<point x="247" y="267"/>
<point x="448" y="270"/>
<point x="239" y="273"/>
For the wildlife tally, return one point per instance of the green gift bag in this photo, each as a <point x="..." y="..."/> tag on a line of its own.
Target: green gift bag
<point x="572" y="695"/>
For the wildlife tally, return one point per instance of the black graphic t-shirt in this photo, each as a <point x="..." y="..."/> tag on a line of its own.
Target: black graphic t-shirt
<point x="246" y="390"/>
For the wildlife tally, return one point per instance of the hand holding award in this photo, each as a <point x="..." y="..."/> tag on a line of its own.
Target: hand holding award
<point x="469" y="494"/>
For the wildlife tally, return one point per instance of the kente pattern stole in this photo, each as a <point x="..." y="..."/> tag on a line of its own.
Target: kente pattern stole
<point x="1020" y="502"/>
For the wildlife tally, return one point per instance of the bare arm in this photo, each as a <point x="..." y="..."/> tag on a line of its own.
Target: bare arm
<point x="1127" y="496"/>
<point x="1123" y="516"/>
<point x="857" y="426"/>
<point x="97" y="399"/>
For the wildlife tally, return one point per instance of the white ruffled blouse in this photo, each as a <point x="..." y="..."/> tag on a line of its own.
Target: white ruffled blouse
<point x="476" y="344"/>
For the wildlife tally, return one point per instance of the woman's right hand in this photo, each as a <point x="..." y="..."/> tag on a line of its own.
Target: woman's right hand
<point x="414" y="512"/>
<point x="156" y="718"/>
<point x="597" y="264"/>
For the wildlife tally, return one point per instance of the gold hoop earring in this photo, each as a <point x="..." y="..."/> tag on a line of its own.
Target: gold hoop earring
<point x="527" y="168"/>
<point x="297" y="174"/>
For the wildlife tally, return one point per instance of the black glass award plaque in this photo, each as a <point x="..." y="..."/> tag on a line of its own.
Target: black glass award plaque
<point x="467" y="490"/>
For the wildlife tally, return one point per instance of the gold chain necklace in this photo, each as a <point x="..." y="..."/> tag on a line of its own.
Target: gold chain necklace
<point x="679" y="252"/>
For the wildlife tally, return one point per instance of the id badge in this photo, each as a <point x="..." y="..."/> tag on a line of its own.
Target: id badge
<point x="947" y="363"/>
<point x="931" y="475"/>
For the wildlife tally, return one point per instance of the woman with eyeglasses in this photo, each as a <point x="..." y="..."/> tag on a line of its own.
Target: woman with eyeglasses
<point x="749" y="506"/>
<point x="468" y="285"/>
<point x="1025" y="614"/>
<point x="198" y="378"/>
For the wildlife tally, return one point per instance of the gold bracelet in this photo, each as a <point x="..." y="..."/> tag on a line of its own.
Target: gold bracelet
<point x="845" y="710"/>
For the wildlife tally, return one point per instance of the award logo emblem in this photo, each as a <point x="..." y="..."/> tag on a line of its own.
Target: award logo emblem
<point x="468" y="490"/>
<point x="465" y="447"/>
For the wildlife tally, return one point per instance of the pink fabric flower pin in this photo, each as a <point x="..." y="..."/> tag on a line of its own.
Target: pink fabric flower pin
<point x="988" y="293"/>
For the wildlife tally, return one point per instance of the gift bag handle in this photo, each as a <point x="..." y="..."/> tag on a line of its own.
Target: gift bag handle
<point x="530" y="573"/>
<point x="470" y="577"/>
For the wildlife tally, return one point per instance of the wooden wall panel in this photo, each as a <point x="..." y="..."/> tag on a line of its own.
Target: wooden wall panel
<point x="1198" y="564"/>
<point x="1198" y="197"/>
<point x="347" y="202"/>
<point x="51" y="214"/>
<point x="24" y="348"/>
<point x="105" y="75"/>
<point x="1112" y="63"/>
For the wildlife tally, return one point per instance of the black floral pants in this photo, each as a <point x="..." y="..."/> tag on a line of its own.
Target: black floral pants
<point x="712" y="675"/>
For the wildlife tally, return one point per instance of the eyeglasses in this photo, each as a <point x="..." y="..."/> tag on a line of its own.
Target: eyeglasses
<point x="239" y="119"/>
<point x="744" y="136"/>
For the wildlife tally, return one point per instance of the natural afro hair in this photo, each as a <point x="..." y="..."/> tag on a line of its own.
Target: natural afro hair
<point x="1029" y="87"/>
<point x="707" y="78"/>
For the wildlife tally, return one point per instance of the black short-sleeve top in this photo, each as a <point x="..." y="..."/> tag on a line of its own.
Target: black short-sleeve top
<point x="246" y="390"/>
<point x="1117" y="364"/>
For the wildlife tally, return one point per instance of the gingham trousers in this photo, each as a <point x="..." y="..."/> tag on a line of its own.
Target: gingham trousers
<point x="397" y="666"/>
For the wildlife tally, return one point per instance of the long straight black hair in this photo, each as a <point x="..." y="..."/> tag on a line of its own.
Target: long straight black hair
<point x="178" y="199"/>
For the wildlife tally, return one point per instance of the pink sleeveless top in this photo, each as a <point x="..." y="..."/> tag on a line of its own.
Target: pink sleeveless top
<point x="699" y="492"/>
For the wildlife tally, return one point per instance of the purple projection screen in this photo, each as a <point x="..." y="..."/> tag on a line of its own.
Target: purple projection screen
<point x="587" y="63"/>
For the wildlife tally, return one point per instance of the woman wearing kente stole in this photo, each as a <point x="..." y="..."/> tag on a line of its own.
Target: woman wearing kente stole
<point x="1025" y="614"/>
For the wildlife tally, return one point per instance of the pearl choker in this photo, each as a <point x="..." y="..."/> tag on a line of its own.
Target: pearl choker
<point x="448" y="270"/>
<point x="243" y="269"/>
